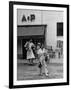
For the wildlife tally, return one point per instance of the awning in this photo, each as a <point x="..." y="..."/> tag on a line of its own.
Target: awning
<point x="30" y="30"/>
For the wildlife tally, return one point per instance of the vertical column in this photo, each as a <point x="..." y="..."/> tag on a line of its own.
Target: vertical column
<point x="45" y="35"/>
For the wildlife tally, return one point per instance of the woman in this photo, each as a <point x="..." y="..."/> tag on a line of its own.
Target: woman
<point x="42" y="64"/>
<point x="30" y="54"/>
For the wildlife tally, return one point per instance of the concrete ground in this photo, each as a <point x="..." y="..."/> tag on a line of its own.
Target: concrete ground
<point x="26" y="71"/>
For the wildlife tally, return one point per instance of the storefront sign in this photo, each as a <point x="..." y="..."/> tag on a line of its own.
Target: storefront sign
<point x="31" y="18"/>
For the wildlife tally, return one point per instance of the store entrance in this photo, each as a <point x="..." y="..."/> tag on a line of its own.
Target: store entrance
<point x="35" y="41"/>
<point x="27" y="32"/>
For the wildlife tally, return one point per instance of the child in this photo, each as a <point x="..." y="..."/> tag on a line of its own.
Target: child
<point x="42" y="63"/>
<point x="44" y="51"/>
<point x="39" y="51"/>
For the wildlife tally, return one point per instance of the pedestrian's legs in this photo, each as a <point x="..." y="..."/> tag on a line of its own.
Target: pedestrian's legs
<point x="32" y="61"/>
<point x="41" y="71"/>
<point x="29" y="60"/>
<point x="45" y="69"/>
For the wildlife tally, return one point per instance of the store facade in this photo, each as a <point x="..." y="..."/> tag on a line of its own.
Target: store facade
<point x="36" y="33"/>
<point x="38" y="25"/>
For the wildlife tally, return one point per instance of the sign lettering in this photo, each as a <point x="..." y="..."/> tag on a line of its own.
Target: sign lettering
<point x="28" y="18"/>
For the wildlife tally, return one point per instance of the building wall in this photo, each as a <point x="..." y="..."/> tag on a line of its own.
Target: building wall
<point x="27" y="13"/>
<point x="50" y="18"/>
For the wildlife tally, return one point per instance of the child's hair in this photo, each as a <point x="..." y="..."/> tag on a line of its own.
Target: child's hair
<point x="39" y="44"/>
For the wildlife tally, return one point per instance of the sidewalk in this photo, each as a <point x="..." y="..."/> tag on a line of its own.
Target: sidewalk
<point x="54" y="60"/>
<point x="26" y="71"/>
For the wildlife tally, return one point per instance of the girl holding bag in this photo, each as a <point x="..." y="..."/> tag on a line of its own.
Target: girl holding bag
<point x="41" y="57"/>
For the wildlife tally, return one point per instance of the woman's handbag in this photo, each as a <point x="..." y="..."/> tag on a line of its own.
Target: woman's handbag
<point x="39" y="65"/>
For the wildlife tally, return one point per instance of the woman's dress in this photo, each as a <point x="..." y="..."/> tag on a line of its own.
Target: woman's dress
<point x="30" y="54"/>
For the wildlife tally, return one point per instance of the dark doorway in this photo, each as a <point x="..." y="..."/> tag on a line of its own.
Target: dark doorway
<point x="24" y="51"/>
